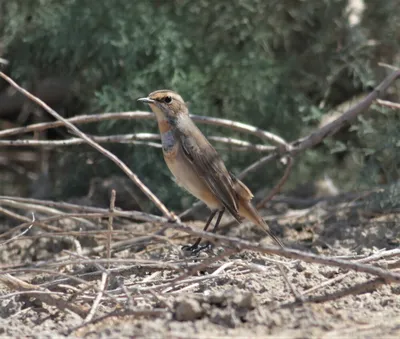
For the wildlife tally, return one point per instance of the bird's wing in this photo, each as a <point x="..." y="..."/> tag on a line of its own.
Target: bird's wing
<point x="209" y="166"/>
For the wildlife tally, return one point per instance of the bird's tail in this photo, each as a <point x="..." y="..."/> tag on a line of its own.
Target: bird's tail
<point x="247" y="210"/>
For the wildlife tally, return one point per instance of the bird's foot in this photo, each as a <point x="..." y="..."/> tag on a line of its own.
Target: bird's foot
<point x="196" y="248"/>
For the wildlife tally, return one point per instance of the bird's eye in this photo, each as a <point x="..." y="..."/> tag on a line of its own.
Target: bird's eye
<point x="167" y="100"/>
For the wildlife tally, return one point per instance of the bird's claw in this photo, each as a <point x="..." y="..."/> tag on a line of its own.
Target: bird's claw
<point x="196" y="249"/>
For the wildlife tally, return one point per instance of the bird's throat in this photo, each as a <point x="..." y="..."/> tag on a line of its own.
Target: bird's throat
<point x="168" y="140"/>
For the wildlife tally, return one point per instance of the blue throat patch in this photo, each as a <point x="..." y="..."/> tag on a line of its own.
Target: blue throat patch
<point x="168" y="140"/>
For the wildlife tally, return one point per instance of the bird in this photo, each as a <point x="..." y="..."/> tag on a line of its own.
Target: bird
<point x="197" y="166"/>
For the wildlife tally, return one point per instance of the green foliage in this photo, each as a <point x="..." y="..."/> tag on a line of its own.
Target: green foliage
<point x="275" y="64"/>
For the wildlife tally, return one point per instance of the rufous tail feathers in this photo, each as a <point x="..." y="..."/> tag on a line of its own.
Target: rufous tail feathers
<point x="247" y="210"/>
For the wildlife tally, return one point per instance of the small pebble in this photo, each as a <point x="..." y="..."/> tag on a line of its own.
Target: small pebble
<point x="188" y="310"/>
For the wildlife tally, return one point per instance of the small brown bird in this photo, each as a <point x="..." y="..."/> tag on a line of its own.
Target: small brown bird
<point x="197" y="166"/>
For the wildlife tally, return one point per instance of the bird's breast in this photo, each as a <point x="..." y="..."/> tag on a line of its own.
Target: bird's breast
<point x="188" y="178"/>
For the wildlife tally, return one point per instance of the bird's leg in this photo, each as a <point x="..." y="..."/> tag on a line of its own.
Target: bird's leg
<point x="207" y="245"/>
<point x="221" y="213"/>
<point x="195" y="246"/>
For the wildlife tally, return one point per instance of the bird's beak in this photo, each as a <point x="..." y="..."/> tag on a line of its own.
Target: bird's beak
<point x="146" y="100"/>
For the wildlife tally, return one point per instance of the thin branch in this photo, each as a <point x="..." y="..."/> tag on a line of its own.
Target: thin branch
<point x="80" y="119"/>
<point x="279" y="185"/>
<point x="376" y="256"/>
<point x="58" y="217"/>
<point x="86" y="261"/>
<point x="139" y="115"/>
<point x="302" y="144"/>
<point x="96" y="302"/>
<point x="297" y="296"/>
<point x="292" y="254"/>
<point x="241" y="127"/>
<point x="388" y="66"/>
<point x="196" y="279"/>
<point x="194" y="269"/>
<point x="110" y="225"/>
<point x="242" y="145"/>
<point x="390" y="104"/>
<point x="136" y="139"/>
<point x="55" y="274"/>
<point x="121" y="139"/>
<point x="20" y="234"/>
<point x="26" y="223"/>
<point x="47" y="298"/>
<point x="365" y="287"/>
<point x="39" y="208"/>
<point x="96" y="146"/>
<point x="330" y="129"/>
<point x="135" y="215"/>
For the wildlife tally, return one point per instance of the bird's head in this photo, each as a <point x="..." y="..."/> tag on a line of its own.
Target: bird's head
<point x="166" y="104"/>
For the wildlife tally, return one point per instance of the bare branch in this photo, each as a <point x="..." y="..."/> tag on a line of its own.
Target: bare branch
<point x="387" y="275"/>
<point x="110" y="225"/>
<point x="279" y="185"/>
<point x="48" y="298"/>
<point x="139" y="115"/>
<point x="135" y="139"/>
<point x="238" y="126"/>
<point x="96" y="146"/>
<point x="96" y="302"/>
<point x="368" y="286"/>
<point x="390" y="104"/>
<point x="20" y="234"/>
<point x="135" y="215"/>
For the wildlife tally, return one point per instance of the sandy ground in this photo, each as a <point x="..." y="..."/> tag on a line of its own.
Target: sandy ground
<point x="241" y="296"/>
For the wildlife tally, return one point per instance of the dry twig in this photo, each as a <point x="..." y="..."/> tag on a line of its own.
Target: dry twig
<point x="96" y="302"/>
<point x="390" y="104"/>
<point x="135" y="215"/>
<point x="136" y="139"/>
<point x="279" y="185"/>
<point x="96" y="146"/>
<point x="110" y="225"/>
<point x="48" y="297"/>
<point x="292" y="254"/>
<point x="20" y="234"/>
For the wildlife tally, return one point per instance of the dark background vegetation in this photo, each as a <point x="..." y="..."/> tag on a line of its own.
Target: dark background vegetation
<point x="283" y="66"/>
